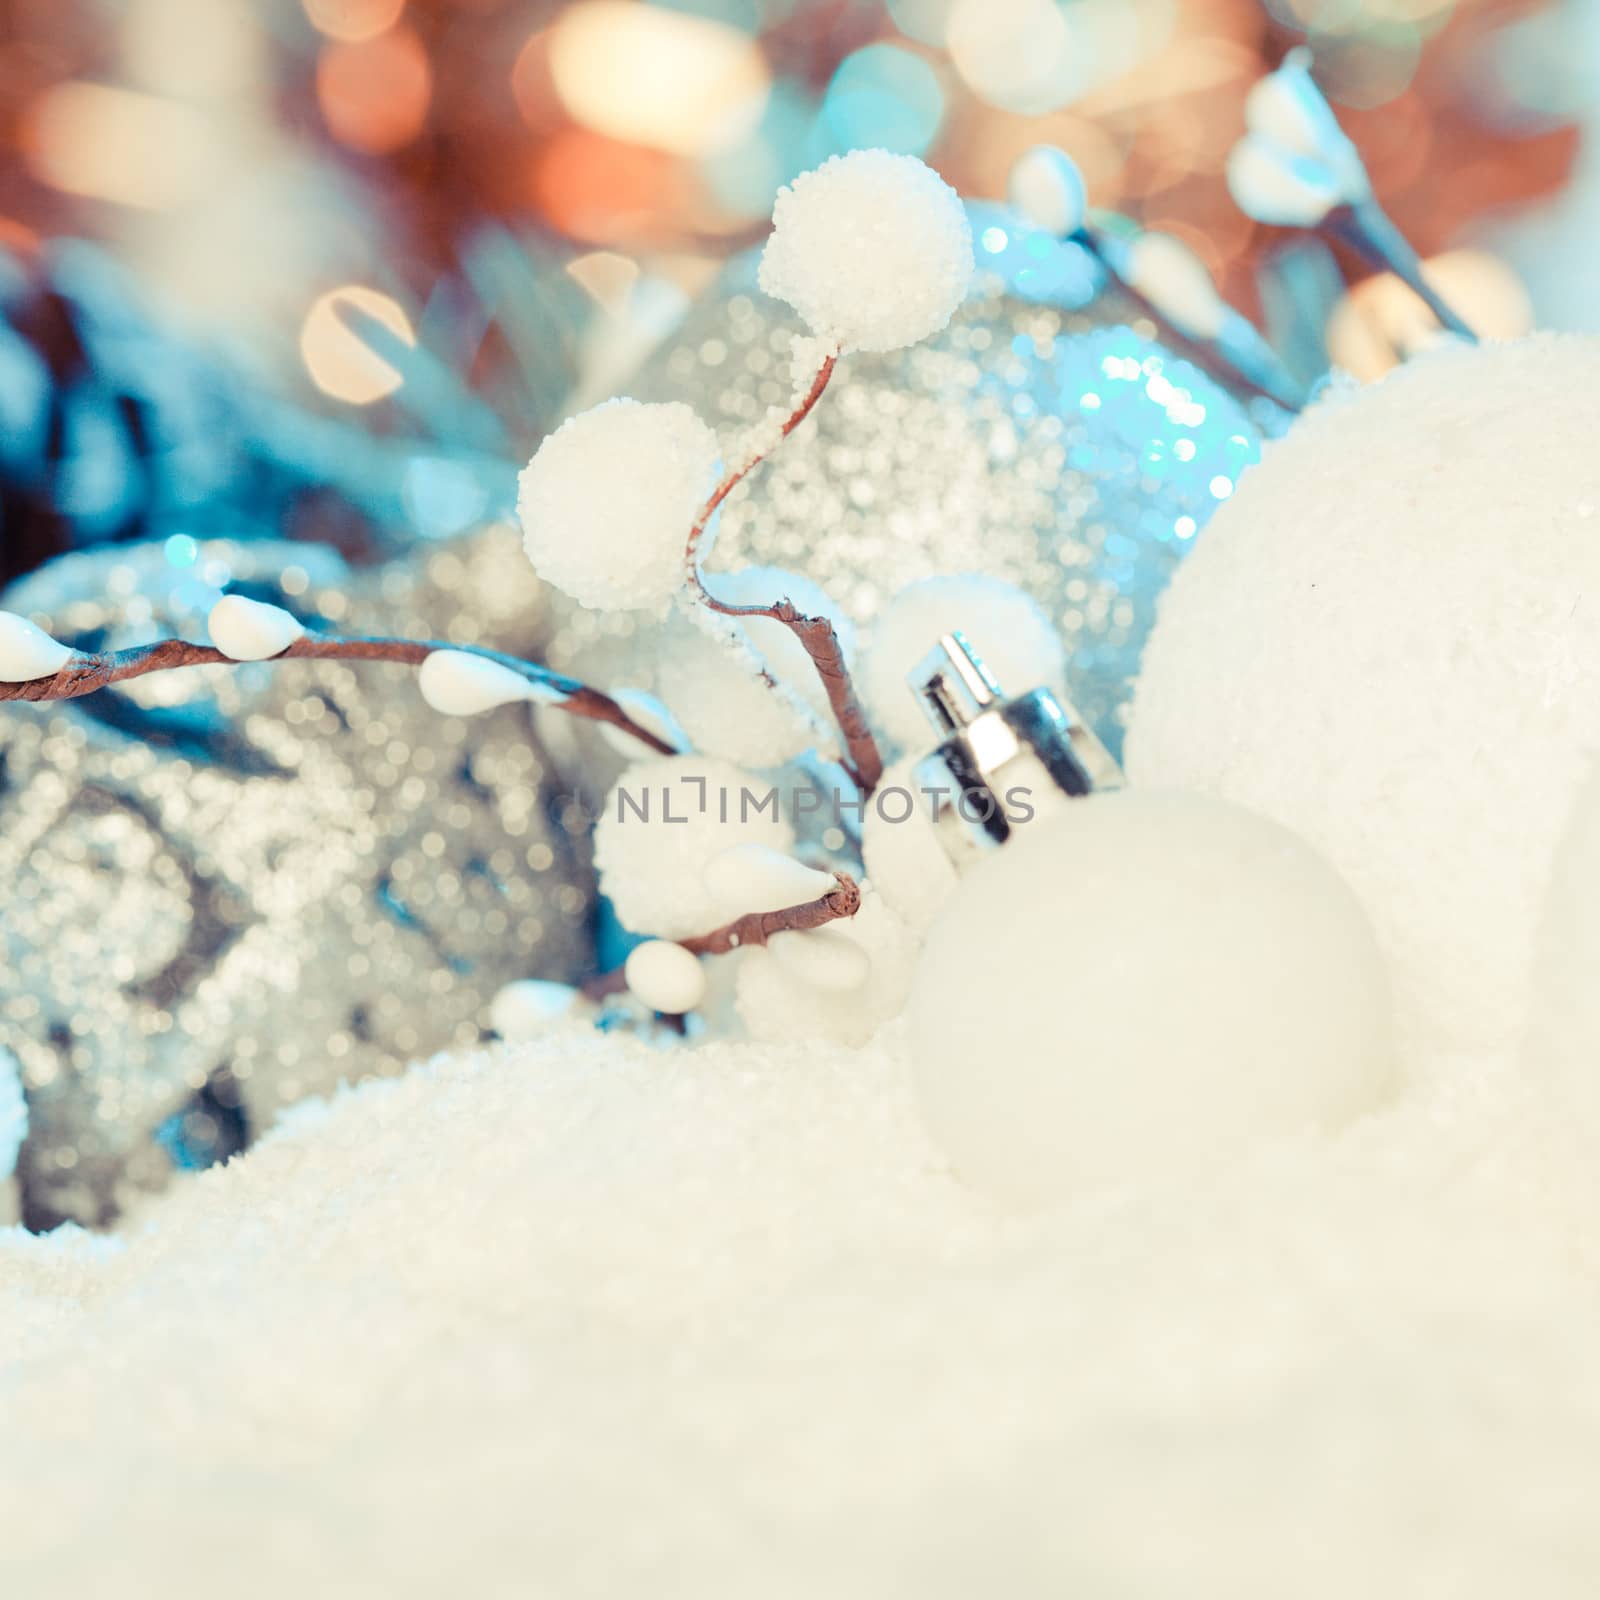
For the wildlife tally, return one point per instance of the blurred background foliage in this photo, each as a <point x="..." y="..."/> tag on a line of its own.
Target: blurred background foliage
<point x="531" y="191"/>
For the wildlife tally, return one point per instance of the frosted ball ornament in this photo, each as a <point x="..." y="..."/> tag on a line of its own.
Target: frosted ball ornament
<point x="1226" y="989"/>
<point x="1385" y="642"/>
<point x="1008" y="629"/>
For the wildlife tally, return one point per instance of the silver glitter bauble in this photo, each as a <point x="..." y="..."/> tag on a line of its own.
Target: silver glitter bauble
<point x="228" y="888"/>
<point x="1046" y="437"/>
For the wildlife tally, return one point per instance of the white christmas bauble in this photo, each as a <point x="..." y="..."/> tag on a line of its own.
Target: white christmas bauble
<point x="1010" y="632"/>
<point x="1389" y="640"/>
<point x="1142" y="986"/>
<point x="663" y="823"/>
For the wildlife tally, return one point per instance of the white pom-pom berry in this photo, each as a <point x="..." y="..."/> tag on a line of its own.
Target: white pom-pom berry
<point x="609" y="498"/>
<point x="1275" y="186"/>
<point x="27" y="651"/>
<point x="665" y="976"/>
<point x="663" y="823"/>
<point x="1046" y="188"/>
<point x="459" y="683"/>
<point x="250" y="630"/>
<point x="1012" y="636"/>
<point x="872" y="249"/>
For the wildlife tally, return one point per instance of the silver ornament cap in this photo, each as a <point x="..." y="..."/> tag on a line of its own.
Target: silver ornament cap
<point x="1002" y="762"/>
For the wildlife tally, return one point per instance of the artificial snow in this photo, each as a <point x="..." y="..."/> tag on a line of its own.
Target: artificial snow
<point x="1388" y="640"/>
<point x="587" y="1319"/>
<point x="609" y="498"/>
<point x="1009" y="631"/>
<point x="661" y="826"/>
<point x="872" y="249"/>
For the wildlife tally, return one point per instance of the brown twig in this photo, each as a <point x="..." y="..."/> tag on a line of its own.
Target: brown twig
<point x="85" y="673"/>
<point x="754" y="928"/>
<point x="863" y="760"/>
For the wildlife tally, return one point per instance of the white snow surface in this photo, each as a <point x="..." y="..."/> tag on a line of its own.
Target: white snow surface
<point x="582" y="1318"/>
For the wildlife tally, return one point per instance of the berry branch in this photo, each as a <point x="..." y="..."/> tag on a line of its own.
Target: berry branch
<point x="84" y="673"/>
<point x="863" y="760"/>
<point x="754" y="928"/>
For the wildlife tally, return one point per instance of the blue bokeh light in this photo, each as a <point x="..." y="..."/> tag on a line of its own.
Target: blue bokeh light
<point x="883" y="97"/>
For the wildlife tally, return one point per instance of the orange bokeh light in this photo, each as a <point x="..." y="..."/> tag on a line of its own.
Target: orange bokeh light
<point x="374" y="95"/>
<point x="595" y="188"/>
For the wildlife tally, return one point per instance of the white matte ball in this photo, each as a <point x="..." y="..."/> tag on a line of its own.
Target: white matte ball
<point x="1012" y="635"/>
<point x="653" y="867"/>
<point x="1140" y="987"/>
<point x="1389" y="640"/>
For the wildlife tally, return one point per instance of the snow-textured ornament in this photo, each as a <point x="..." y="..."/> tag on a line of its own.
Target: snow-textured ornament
<point x="1045" y="437"/>
<point x="1138" y="989"/>
<point x="27" y="651"/>
<point x="662" y="825"/>
<point x="872" y="249"/>
<point x="267" y="879"/>
<point x="1384" y="642"/>
<point x="665" y="976"/>
<point x="608" y="500"/>
<point x="251" y="630"/>
<point x="1010" y="632"/>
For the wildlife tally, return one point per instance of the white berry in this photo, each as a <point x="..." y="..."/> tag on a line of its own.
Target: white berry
<point x="666" y="977"/>
<point x="250" y="630"/>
